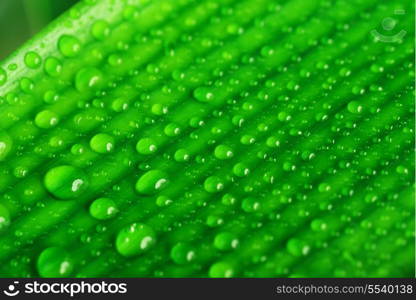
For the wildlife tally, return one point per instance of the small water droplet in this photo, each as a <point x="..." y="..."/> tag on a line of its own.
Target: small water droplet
<point x="103" y="209"/>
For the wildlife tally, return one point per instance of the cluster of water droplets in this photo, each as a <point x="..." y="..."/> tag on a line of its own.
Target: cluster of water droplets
<point x="216" y="161"/>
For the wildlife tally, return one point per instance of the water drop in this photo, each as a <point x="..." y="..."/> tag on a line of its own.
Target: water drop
<point x="53" y="66"/>
<point x="102" y="143"/>
<point x="240" y="170"/>
<point x="272" y="142"/>
<point x="100" y="29"/>
<point x="46" y="119"/>
<point x="151" y="182"/>
<point x="163" y="201"/>
<point x="223" y="152"/>
<point x="250" y="205"/>
<point x="182" y="155"/>
<point x="354" y="107"/>
<point x="103" y="209"/>
<point x="402" y="170"/>
<point x="50" y="97"/>
<point x="88" y="78"/>
<point x="4" y="217"/>
<point x="182" y="253"/>
<point x="213" y="184"/>
<point x="119" y="105"/>
<point x="247" y="139"/>
<point x="146" y="146"/>
<point x="69" y="45"/>
<point x="32" y="60"/>
<point x="159" y="109"/>
<point x="66" y="182"/>
<point x="226" y="241"/>
<point x="6" y="144"/>
<point x="135" y="239"/>
<point x="54" y="262"/>
<point x="221" y="270"/>
<point x="319" y="225"/>
<point x="172" y="130"/>
<point x="324" y="187"/>
<point x="26" y="85"/>
<point x="297" y="247"/>
<point x="204" y="94"/>
<point x="228" y="199"/>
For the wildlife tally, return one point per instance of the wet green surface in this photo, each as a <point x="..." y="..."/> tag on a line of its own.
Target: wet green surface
<point x="221" y="138"/>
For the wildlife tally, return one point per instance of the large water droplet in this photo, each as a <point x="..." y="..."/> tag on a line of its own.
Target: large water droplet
<point x="354" y="107"/>
<point x="172" y="130"/>
<point x="54" y="262"/>
<point x="53" y="66"/>
<point x="204" y="94"/>
<point x="297" y="247"/>
<point x="223" y="152"/>
<point x="46" y="119"/>
<point x="69" y="46"/>
<point x="221" y="270"/>
<point x="213" y="184"/>
<point x="225" y="241"/>
<point x="102" y="143"/>
<point x="100" y="29"/>
<point x="88" y="79"/>
<point x="240" y="170"/>
<point x="182" y="155"/>
<point x="32" y="60"/>
<point x="182" y="253"/>
<point x="151" y="182"/>
<point x="135" y="239"/>
<point x="66" y="182"/>
<point x="146" y="146"/>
